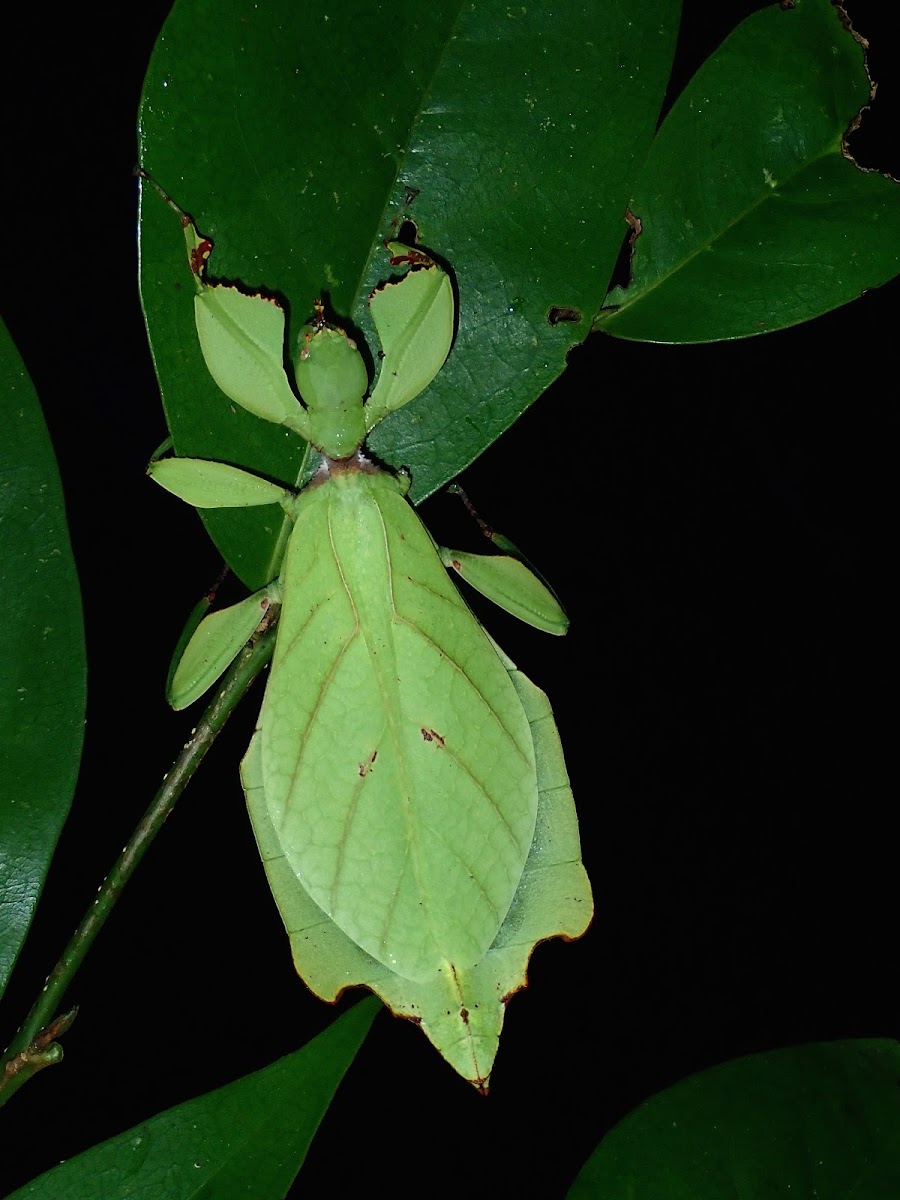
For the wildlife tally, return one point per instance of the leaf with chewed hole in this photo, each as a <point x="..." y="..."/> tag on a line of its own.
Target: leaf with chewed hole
<point x="409" y="131"/>
<point x="751" y="217"/>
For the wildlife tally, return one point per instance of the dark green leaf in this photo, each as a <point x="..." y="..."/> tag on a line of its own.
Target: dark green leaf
<point x="820" y="1120"/>
<point x="300" y="136"/>
<point x="752" y="219"/>
<point x="247" y="1139"/>
<point x="42" y="663"/>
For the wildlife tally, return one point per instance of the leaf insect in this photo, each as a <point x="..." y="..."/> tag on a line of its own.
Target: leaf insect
<point x="406" y="782"/>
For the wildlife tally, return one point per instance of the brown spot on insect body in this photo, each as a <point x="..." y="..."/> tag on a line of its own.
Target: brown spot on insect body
<point x="366" y="767"/>
<point x="415" y="258"/>
<point x="464" y="1014"/>
<point x="200" y="256"/>
<point x="314" y="325"/>
<point x="431" y="735"/>
<point x="317" y="324"/>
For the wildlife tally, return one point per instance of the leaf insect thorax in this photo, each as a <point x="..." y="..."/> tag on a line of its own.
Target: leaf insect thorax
<point x="332" y="380"/>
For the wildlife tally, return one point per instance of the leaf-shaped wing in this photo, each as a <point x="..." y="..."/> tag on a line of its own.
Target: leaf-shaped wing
<point x="397" y="759"/>
<point x="461" y="1010"/>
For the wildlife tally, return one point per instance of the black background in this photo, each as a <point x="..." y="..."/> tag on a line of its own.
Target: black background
<point x="720" y="522"/>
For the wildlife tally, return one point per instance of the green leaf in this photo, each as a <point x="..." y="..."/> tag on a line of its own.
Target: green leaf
<point x="819" y="1120"/>
<point x="247" y="1139"/>
<point x="751" y="218"/>
<point x="42" y="660"/>
<point x="299" y="137"/>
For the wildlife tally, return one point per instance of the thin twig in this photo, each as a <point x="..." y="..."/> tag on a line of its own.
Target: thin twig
<point x="34" y="1046"/>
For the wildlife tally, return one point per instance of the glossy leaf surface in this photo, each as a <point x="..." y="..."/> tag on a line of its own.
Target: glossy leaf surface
<point x="819" y="1120"/>
<point x="42" y="660"/>
<point x="247" y="1139"/>
<point x="751" y="218"/>
<point x="299" y="138"/>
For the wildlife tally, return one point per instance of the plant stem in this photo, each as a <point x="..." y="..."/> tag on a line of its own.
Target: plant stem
<point x="33" y="1046"/>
